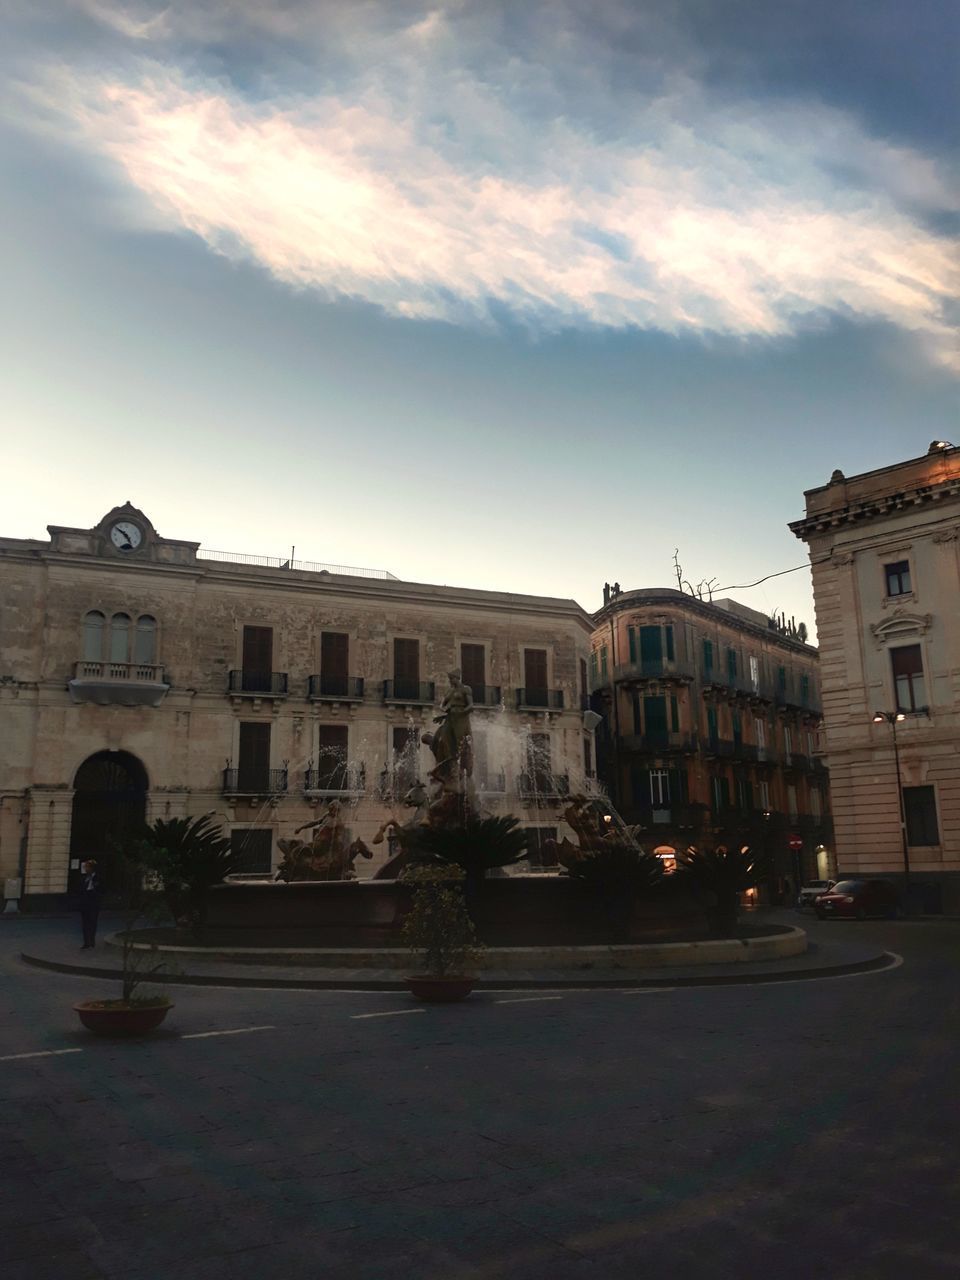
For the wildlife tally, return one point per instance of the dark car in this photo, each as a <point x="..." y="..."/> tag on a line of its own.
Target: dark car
<point x="858" y="899"/>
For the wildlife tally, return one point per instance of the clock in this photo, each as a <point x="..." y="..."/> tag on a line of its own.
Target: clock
<point x="125" y="535"/>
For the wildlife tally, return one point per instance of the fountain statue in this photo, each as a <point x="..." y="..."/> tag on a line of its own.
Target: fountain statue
<point x="328" y="855"/>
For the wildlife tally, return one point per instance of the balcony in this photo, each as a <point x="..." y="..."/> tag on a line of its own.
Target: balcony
<point x="788" y="700"/>
<point x="125" y="684"/>
<point x="257" y="684"/>
<point x="766" y="755"/>
<point x="323" y="688"/>
<point x="410" y="692"/>
<point x="486" y="695"/>
<point x="539" y="699"/>
<point x="659" y="743"/>
<point x="747" y="751"/>
<point x="248" y="781"/>
<point x="654" y="669"/>
<point x="341" y="783"/>
<point x="679" y="817"/>
<point x="795" y="760"/>
<point x="543" y="786"/>
<point x="739" y="687"/>
<point x="721" y="747"/>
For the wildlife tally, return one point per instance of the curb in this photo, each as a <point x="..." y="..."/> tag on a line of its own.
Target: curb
<point x="878" y="963"/>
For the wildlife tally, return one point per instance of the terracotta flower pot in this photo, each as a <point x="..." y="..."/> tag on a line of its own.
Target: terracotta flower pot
<point x="440" y="990"/>
<point x="118" y="1019"/>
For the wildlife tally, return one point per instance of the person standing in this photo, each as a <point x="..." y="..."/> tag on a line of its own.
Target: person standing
<point x="91" y="894"/>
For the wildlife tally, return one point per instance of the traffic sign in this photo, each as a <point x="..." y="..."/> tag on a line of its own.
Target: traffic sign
<point x="795" y="843"/>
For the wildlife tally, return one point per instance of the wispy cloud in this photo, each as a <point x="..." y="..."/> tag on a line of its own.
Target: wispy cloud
<point x="433" y="188"/>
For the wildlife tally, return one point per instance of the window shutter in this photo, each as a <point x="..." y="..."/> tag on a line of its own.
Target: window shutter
<point x="669" y="638"/>
<point x="331" y="756"/>
<point x="334" y="654"/>
<point x="674" y="715"/>
<point x="535" y="671"/>
<point x="708" y="656"/>
<point x="473" y="666"/>
<point x="632" y="643"/>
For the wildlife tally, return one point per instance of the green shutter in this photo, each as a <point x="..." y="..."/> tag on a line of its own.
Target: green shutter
<point x="708" y="656"/>
<point x="603" y="661"/>
<point x="640" y="786"/>
<point x="632" y="642"/>
<point x="678" y="786"/>
<point x="637" y="725"/>
<point x="651" y="644"/>
<point x="732" y="663"/>
<point x="593" y="668"/>
<point x="737" y="727"/>
<point x="674" y="715"/>
<point x="712" y="722"/>
<point x="669" y="636"/>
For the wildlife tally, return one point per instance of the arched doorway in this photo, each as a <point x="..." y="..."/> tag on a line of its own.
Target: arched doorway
<point x="109" y="806"/>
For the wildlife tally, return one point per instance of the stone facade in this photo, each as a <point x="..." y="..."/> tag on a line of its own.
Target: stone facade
<point x="885" y="556"/>
<point x="133" y="651"/>
<point x="711" y="734"/>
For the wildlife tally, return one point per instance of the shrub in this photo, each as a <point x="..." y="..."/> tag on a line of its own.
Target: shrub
<point x="438" y="925"/>
<point x="187" y="856"/>
<point x="724" y="874"/>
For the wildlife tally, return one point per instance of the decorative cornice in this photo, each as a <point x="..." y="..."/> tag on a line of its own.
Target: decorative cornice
<point x="899" y="624"/>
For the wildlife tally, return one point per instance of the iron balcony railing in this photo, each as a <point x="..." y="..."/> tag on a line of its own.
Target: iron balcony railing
<point x="409" y="691"/>
<point x="342" y="688"/>
<point x="544" y="785"/>
<point x="486" y="695"/>
<point x="341" y="780"/>
<point x="396" y="786"/>
<point x="800" y="701"/>
<point x="659" y="742"/>
<point x="252" y="781"/>
<point x="718" y="747"/>
<point x="655" y="669"/>
<point x="144" y="672"/>
<point x="742" y="683"/>
<point x="271" y="684"/>
<point x="540" y="699"/>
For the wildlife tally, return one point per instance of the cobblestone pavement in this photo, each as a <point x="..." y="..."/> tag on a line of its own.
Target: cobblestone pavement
<point x="798" y="1130"/>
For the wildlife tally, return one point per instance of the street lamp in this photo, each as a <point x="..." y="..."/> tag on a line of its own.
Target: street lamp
<point x="893" y="718"/>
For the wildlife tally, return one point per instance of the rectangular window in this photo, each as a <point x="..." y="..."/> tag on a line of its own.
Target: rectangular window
<point x="637" y="719"/>
<point x="587" y="758"/>
<point x="792" y="800"/>
<point x="732" y="663"/>
<point x="594" y="667"/>
<point x="331" y="757"/>
<point x="804" y="690"/>
<point x="816" y="807"/>
<point x="787" y="741"/>
<point x="660" y="788"/>
<point x="655" y="720"/>
<point x="535" y="677"/>
<point x="334" y="662"/>
<point x="539" y="766"/>
<point x="674" y="716"/>
<point x="253" y="765"/>
<point x="920" y="809"/>
<point x="668" y="634"/>
<point x="707" y="657"/>
<point x="406" y="668"/>
<point x="908" y="677"/>
<point x="744" y="795"/>
<point x="406" y="759"/>
<point x="898" y="578"/>
<point x="679" y="793"/>
<point x="764" y="788"/>
<point x="603" y="661"/>
<point x="720" y="788"/>
<point x="782" y="679"/>
<point x="760" y="732"/>
<point x="712" y="727"/>
<point x="473" y="668"/>
<point x="810" y="743"/>
<point x="584" y="686"/>
<point x="737" y="727"/>
<point x="754" y="674"/>
<point x="651" y="645"/>
<point x="632" y="643"/>
<point x="257" y="658"/>
<point x="254" y="848"/>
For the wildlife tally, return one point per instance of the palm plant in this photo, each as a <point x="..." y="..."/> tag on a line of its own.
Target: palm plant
<point x="188" y="856"/>
<point x="476" y="846"/>
<point x="724" y="874"/>
<point x="615" y="872"/>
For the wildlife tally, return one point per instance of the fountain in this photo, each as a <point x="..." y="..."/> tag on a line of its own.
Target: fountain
<point x="317" y="898"/>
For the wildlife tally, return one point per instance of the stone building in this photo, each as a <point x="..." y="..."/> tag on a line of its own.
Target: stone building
<point x="885" y="556"/>
<point x="711" y="728"/>
<point x="142" y="678"/>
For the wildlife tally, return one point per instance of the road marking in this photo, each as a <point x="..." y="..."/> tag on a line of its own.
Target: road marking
<point x="235" y="1031"/>
<point x="647" y="991"/>
<point x="387" y="1013"/>
<point x="528" y="1000"/>
<point x="40" y="1053"/>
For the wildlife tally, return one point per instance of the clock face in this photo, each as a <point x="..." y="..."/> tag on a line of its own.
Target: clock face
<point x="125" y="535"/>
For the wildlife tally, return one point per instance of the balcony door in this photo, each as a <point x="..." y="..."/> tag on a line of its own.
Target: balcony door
<point x="253" y="767"/>
<point x="334" y="663"/>
<point x="539" y="769"/>
<point x="406" y="668"/>
<point x="655" y="720"/>
<point x="257" y="659"/>
<point x="473" y="667"/>
<point x="332" y="757"/>
<point x="535" y="677"/>
<point x="651" y="646"/>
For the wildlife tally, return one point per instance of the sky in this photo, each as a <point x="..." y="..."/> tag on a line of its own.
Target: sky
<point x="525" y="297"/>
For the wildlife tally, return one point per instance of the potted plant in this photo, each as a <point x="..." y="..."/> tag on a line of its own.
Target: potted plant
<point x="722" y="875"/>
<point x="131" y="1014"/>
<point x="186" y="857"/>
<point x="439" y="928"/>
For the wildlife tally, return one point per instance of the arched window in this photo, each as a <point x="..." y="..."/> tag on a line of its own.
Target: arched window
<point x="119" y="638"/>
<point x="93" y="625"/>
<point x="145" y="642"/>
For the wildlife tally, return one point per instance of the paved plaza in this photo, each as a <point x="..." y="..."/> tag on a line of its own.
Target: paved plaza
<point x="802" y="1129"/>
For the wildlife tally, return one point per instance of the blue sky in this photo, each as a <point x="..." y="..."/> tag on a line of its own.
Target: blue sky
<point x="501" y="295"/>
